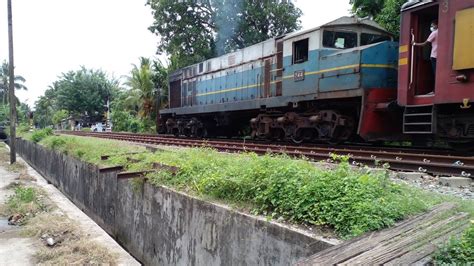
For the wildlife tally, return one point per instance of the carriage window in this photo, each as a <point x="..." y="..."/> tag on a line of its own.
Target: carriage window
<point x="201" y="67"/>
<point x="300" y="51"/>
<point x="367" y="38"/>
<point x="340" y="40"/>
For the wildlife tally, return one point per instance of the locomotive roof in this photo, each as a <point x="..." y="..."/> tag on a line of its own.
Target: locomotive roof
<point x="415" y="3"/>
<point x="343" y="21"/>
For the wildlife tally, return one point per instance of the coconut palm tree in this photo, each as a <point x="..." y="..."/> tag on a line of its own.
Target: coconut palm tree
<point x="4" y="78"/>
<point x="140" y="81"/>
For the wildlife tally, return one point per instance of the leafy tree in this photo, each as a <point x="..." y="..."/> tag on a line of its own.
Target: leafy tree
<point x="45" y="107"/>
<point x="389" y="16"/>
<point x="384" y="12"/>
<point x="4" y="82"/>
<point x="23" y="113"/>
<point x="84" y="91"/>
<point x="160" y="79"/>
<point x="141" y="83"/>
<point x="58" y="116"/>
<point x="192" y="31"/>
<point x="367" y="8"/>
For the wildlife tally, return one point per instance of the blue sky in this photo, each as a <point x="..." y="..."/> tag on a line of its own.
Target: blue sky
<point x="55" y="36"/>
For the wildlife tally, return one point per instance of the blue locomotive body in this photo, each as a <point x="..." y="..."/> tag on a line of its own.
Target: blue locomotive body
<point x="310" y="85"/>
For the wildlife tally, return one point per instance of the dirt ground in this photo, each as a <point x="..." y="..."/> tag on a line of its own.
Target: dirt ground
<point x="50" y="229"/>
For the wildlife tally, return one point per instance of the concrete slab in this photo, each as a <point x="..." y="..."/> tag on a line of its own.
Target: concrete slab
<point x="454" y="181"/>
<point x="411" y="176"/>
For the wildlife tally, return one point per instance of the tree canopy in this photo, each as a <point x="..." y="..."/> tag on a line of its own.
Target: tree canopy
<point x="4" y="82"/>
<point x="83" y="92"/>
<point x="192" y="31"/>
<point x="384" y="12"/>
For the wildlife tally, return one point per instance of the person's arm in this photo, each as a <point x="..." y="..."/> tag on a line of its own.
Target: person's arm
<point x="421" y="43"/>
<point x="429" y="40"/>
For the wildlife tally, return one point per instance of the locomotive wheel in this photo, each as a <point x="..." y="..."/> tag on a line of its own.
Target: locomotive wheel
<point x="175" y="132"/>
<point x="302" y="135"/>
<point x="201" y="133"/>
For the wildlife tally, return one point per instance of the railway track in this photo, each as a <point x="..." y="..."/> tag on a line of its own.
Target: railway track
<point x="426" y="161"/>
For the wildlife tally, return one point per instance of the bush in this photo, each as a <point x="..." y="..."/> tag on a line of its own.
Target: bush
<point x="458" y="251"/>
<point x="86" y="129"/>
<point x="349" y="200"/>
<point x="23" y="128"/>
<point x="38" y="135"/>
<point x="135" y="126"/>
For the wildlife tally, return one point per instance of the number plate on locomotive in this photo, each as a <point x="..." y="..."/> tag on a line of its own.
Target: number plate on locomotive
<point x="299" y="75"/>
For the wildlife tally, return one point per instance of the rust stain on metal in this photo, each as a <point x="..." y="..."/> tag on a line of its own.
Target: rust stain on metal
<point x="111" y="169"/>
<point x="126" y="175"/>
<point x="173" y="169"/>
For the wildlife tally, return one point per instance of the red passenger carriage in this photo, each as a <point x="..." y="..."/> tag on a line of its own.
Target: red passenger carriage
<point x="438" y="105"/>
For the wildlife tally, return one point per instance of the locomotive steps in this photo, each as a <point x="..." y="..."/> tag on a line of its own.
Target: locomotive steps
<point x="186" y="229"/>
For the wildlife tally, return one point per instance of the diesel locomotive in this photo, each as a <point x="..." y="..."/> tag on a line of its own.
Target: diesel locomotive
<point x="345" y="79"/>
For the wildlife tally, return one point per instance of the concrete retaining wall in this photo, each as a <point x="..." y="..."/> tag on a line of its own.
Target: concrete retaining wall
<point x="160" y="226"/>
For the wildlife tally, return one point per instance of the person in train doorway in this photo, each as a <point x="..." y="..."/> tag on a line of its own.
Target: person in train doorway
<point x="433" y="40"/>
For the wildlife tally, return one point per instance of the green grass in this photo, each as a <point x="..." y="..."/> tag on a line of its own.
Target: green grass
<point x="26" y="202"/>
<point x="349" y="200"/>
<point x="89" y="149"/>
<point x="352" y="201"/>
<point x="458" y="251"/>
<point x="38" y="135"/>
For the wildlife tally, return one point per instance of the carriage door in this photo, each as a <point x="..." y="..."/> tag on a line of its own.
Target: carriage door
<point x="267" y="79"/>
<point x="279" y="70"/>
<point x="422" y="75"/>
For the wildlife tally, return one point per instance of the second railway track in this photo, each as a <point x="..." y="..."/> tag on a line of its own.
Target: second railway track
<point x="401" y="160"/>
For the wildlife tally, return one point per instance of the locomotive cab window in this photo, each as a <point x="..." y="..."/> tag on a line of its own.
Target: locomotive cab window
<point x="300" y="51"/>
<point x="339" y="39"/>
<point x="367" y="38"/>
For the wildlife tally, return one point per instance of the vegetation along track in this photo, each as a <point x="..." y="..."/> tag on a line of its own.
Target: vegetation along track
<point x="400" y="160"/>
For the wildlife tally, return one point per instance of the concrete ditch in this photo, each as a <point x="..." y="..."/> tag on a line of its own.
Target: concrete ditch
<point x="160" y="226"/>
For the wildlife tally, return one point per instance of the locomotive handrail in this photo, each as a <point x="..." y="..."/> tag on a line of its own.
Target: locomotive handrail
<point x="412" y="59"/>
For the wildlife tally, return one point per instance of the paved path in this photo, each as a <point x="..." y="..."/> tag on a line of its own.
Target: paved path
<point x="16" y="250"/>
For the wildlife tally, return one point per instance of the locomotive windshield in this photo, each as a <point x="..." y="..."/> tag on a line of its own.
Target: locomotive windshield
<point x="367" y="38"/>
<point x="339" y="39"/>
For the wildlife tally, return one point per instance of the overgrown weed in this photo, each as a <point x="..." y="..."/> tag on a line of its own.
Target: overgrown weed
<point x="88" y="149"/>
<point x="26" y="202"/>
<point x="458" y="250"/>
<point x="71" y="245"/>
<point x="16" y="167"/>
<point x="350" y="200"/>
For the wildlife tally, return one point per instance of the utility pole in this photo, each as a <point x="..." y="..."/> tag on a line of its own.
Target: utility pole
<point x="11" y="87"/>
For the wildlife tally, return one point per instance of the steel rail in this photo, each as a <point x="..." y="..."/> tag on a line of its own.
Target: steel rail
<point x="402" y="160"/>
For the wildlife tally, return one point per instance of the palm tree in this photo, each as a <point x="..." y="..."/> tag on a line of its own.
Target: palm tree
<point x="4" y="79"/>
<point x="143" y="87"/>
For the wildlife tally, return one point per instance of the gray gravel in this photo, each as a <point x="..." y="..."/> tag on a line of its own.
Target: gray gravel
<point x="432" y="183"/>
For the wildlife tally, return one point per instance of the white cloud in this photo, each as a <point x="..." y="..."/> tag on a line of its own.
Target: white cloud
<point x="55" y="36"/>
